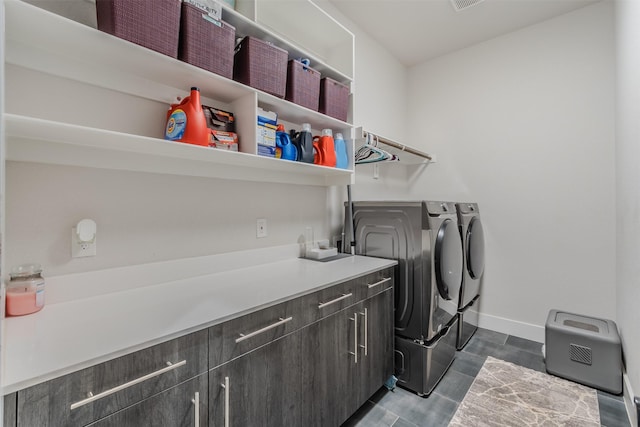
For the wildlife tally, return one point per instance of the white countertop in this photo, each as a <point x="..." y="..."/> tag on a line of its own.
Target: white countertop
<point x="75" y="334"/>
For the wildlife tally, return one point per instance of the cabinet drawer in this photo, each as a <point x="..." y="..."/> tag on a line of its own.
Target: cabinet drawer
<point x="374" y="283"/>
<point x="328" y="301"/>
<point x="92" y="393"/>
<point x="246" y="333"/>
<point x="179" y="406"/>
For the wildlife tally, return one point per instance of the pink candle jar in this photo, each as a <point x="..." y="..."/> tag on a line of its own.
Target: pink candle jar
<point x="25" y="290"/>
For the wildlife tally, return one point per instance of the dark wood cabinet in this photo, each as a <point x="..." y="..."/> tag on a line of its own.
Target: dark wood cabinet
<point x="10" y="406"/>
<point x="311" y="361"/>
<point x="349" y="356"/>
<point x="260" y="388"/>
<point x="376" y="357"/>
<point x="328" y="369"/>
<point x="185" y="405"/>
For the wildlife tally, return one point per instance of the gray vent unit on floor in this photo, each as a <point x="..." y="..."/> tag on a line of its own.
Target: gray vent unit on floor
<point x="593" y="343"/>
<point x="459" y="5"/>
<point x="580" y="354"/>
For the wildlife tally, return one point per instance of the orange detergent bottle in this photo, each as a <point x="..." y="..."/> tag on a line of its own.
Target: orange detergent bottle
<point x="186" y="121"/>
<point x="324" y="147"/>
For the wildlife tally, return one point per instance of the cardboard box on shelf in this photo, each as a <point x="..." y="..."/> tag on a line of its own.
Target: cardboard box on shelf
<point x="266" y="135"/>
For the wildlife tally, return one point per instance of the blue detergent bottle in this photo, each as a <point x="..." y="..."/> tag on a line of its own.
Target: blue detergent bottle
<point x="304" y="143"/>
<point x="342" y="160"/>
<point x="283" y="142"/>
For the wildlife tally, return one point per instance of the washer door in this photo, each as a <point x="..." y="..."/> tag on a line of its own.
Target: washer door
<point x="448" y="260"/>
<point x="475" y="248"/>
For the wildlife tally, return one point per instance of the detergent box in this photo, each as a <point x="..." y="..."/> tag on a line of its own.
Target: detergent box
<point x="266" y="135"/>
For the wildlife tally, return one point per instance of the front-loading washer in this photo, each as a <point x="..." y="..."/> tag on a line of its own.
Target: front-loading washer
<point x="423" y="236"/>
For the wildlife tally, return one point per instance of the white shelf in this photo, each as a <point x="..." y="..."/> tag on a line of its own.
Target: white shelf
<point x="40" y="40"/>
<point x="35" y="140"/>
<point x="43" y="41"/>
<point x="294" y="24"/>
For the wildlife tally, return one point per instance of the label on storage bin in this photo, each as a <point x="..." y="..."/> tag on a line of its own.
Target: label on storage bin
<point x="212" y="7"/>
<point x="175" y="125"/>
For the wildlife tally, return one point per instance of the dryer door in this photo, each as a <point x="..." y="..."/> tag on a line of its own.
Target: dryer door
<point x="475" y="248"/>
<point x="448" y="260"/>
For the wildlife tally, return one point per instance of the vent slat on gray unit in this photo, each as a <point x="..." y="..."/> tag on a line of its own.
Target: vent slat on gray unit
<point x="459" y="5"/>
<point x="580" y="354"/>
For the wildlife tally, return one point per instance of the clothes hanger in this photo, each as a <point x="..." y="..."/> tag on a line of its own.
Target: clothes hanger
<point x="371" y="153"/>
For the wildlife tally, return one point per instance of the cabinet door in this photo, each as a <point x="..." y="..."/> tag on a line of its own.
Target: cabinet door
<point x="260" y="388"/>
<point x="376" y="352"/>
<point x="10" y="404"/>
<point x="329" y="349"/>
<point x="184" y="405"/>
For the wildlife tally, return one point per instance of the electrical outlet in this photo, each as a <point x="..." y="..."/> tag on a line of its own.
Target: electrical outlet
<point x="261" y="227"/>
<point x="81" y="249"/>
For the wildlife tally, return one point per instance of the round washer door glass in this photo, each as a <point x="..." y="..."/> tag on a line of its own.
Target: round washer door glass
<point x="475" y="248"/>
<point x="448" y="260"/>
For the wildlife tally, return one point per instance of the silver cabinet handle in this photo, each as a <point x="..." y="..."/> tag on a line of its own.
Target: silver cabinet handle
<point x="366" y="328"/>
<point x="92" y="397"/>
<point x="282" y="321"/>
<point x="196" y="405"/>
<point x="333" y="301"/>
<point x="373" y="285"/>
<point x="355" y="337"/>
<point x="225" y="386"/>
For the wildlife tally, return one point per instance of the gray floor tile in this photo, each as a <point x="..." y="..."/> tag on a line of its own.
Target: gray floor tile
<point x="401" y="422"/>
<point x="521" y="358"/>
<point x="612" y="411"/>
<point x="524" y="344"/>
<point x="487" y="335"/>
<point x="432" y="411"/>
<point x="468" y="363"/>
<point x="454" y="385"/>
<point x="371" y="415"/>
<point x="482" y="348"/>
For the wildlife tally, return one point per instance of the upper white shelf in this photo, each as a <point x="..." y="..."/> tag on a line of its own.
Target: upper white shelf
<point x="44" y="41"/>
<point x="35" y="140"/>
<point x="301" y="28"/>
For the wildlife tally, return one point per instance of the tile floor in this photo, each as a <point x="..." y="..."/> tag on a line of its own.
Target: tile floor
<point x="402" y="408"/>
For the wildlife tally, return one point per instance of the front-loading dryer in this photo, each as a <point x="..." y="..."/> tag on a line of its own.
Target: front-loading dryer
<point x="472" y="235"/>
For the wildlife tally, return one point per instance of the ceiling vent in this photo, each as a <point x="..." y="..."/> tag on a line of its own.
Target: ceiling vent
<point x="460" y="5"/>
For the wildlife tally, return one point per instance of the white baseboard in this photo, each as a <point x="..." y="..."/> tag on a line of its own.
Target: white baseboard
<point x="628" y="401"/>
<point x="512" y="327"/>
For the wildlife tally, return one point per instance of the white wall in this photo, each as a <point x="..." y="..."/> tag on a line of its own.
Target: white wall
<point x="524" y="125"/>
<point x="627" y="18"/>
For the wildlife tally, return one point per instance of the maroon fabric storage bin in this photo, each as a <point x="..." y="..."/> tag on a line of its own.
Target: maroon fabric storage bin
<point x="154" y="24"/>
<point x="205" y="42"/>
<point x="261" y="65"/>
<point x="334" y="99"/>
<point x="303" y="85"/>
